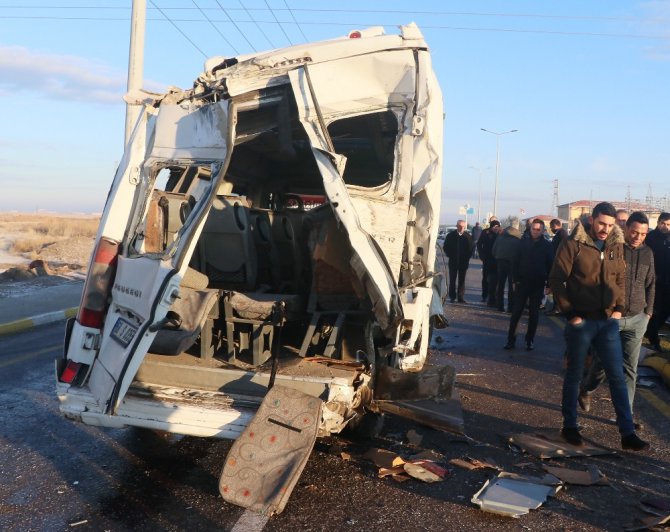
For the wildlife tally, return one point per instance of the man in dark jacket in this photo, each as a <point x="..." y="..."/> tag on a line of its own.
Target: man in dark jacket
<point x="458" y="249"/>
<point x="659" y="242"/>
<point x="530" y="270"/>
<point x="638" y="307"/>
<point x="588" y="282"/>
<point x="505" y="251"/>
<point x="560" y="234"/>
<point x="489" y="264"/>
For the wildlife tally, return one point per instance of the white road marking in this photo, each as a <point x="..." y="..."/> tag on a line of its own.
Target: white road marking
<point x="250" y="522"/>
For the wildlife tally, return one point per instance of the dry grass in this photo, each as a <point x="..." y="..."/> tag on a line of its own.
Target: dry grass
<point x="28" y="233"/>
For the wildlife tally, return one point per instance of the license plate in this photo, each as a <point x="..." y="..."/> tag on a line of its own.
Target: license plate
<point x="123" y="332"/>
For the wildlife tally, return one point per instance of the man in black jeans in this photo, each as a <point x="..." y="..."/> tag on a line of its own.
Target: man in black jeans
<point x="659" y="242"/>
<point x="530" y="271"/>
<point x="458" y="249"/>
<point x="489" y="264"/>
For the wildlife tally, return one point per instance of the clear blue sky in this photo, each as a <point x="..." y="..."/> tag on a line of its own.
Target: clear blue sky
<point x="587" y="84"/>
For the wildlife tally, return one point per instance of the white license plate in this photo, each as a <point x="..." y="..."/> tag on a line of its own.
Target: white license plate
<point x="123" y="332"/>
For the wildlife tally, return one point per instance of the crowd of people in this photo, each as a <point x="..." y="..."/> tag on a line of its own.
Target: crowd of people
<point x="609" y="278"/>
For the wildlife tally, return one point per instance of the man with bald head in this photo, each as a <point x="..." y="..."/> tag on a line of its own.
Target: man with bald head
<point x="458" y="249"/>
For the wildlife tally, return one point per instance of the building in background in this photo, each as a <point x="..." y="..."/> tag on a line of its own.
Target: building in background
<point x="573" y="210"/>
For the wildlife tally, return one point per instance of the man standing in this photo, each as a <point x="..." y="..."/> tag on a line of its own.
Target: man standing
<point x="505" y="251"/>
<point x="559" y="233"/>
<point x="638" y="307"/>
<point x="489" y="264"/>
<point x="659" y="242"/>
<point x="621" y="218"/>
<point x="530" y="270"/>
<point x="587" y="280"/>
<point x="458" y="249"/>
<point x="476" y="233"/>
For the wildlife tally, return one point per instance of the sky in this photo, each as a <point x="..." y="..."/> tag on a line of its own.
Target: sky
<point x="585" y="84"/>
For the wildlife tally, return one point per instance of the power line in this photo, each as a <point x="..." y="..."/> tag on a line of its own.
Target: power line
<point x="237" y="27"/>
<point x="392" y="11"/>
<point x="279" y="23"/>
<point x="217" y="29"/>
<point x="257" y="24"/>
<point x="355" y="24"/>
<point x="296" y="22"/>
<point x="178" y="29"/>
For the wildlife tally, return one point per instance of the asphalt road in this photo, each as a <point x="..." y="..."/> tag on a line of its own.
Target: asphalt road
<point x="59" y="475"/>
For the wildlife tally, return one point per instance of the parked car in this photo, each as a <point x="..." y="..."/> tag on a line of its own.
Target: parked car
<point x="275" y="222"/>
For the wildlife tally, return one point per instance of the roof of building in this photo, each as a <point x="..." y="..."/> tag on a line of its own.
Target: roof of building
<point x="632" y="205"/>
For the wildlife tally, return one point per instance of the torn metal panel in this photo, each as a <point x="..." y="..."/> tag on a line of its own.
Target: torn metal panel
<point x="433" y="382"/>
<point x="442" y="414"/>
<point x="589" y="477"/>
<point x="513" y="497"/>
<point x="553" y="446"/>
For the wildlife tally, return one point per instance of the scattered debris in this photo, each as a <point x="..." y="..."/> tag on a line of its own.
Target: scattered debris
<point x="79" y="523"/>
<point x="473" y="463"/>
<point x="425" y="471"/>
<point x="589" y="477"/>
<point x="390" y="464"/>
<point x="414" y="438"/>
<point x="655" y="505"/>
<point x="648" y="523"/>
<point x="552" y="445"/>
<point x="515" y="495"/>
<point x="383" y="458"/>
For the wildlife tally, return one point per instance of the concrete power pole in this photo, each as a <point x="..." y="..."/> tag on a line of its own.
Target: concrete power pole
<point x="135" y="61"/>
<point x="554" y="201"/>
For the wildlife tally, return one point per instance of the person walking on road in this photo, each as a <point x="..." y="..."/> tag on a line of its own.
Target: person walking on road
<point x="505" y="250"/>
<point x="489" y="265"/>
<point x="476" y="233"/>
<point x="659" y="242"/>
<point x="638" y="307"/>
<point x="588" y="282"/>
<point x="458" y="249"/>
<point x="530" y="271"/>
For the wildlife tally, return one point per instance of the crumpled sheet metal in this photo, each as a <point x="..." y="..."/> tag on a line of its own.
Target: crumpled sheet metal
<point x="553" y="446"/>
<point x="515" y="495"/>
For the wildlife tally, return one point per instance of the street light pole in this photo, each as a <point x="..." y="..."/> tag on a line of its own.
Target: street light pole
<point x="495" y="189"/>
<point x="479" y="199"/>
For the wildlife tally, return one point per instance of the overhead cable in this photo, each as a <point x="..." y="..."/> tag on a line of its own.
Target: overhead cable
<point x="236" y="26"/>
<point x="296" y="22"/>
<point x="279" y="23"/>
<point x="178" y="29"/>
<point x="217" y="29"/>
<point x="257" y="24"/>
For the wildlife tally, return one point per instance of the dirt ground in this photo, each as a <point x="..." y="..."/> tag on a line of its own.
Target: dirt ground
<point x="47" y="260"/>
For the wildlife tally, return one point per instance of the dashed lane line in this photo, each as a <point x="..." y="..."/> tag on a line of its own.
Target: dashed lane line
<point x="655" y="401"/>
<point x="28" y="356"/>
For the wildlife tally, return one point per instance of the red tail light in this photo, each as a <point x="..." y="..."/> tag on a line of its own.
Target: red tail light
<point x="70" y="371"/>
<point x="98" y="284"/>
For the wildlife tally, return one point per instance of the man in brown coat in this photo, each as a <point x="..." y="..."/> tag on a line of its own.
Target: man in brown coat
<point x="587" y="280"/>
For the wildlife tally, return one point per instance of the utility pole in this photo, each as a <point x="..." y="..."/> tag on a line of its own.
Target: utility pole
<point x="554" y="203"/>
<point x="135" y="61"/>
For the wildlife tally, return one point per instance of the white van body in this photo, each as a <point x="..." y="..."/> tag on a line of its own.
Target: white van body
<point x="285" y="210"/>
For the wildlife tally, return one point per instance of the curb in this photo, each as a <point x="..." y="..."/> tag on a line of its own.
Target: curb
<point x="28" y="323"/>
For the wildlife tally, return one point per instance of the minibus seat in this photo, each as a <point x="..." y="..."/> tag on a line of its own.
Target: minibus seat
<point x="226" y="246"/>
<point x="191" y="316"/>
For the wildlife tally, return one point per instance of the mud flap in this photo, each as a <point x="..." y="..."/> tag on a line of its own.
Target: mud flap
<point x="427" y="397"/>
<point x="266" y="461"/>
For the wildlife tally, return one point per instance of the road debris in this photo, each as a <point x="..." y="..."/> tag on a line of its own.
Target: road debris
<point x="589" y="477"/>
<point x="515" y="495"/>
<point x="473" y="463"/>
<point x="551" y="445"/>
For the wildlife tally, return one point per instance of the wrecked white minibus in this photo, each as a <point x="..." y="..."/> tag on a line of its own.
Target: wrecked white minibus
<point x="276" y="222"/>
